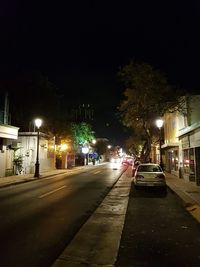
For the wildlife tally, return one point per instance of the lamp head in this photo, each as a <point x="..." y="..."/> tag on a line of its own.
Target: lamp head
<point x="94" y="141"/>
<point x="159" y="123"/>
<point x="38" y="123"/>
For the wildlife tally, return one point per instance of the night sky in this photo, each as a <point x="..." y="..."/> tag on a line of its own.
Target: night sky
<point x="80" y="46"/>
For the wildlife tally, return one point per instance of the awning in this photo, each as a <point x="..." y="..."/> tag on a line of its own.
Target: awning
<point x="8" y="131"/>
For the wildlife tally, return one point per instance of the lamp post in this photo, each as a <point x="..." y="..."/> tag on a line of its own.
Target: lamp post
<point x="159" y="124"/>
<point x="38" y="123"/>
<point x="85" y="151"/>
<point x="94" y="141"/>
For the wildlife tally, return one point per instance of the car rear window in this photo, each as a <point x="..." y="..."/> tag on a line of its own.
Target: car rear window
<point x="149" y="168"/>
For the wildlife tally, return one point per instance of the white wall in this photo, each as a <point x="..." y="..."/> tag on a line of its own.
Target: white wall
<point x="28" y="149"/>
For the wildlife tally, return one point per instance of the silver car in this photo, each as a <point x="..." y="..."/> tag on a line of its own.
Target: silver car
<point x="149" y="174"/>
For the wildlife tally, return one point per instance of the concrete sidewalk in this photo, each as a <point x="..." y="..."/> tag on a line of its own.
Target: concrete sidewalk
<point x="188" y="192"/>
<point x="22" y="178"/>
<point x="97" y="242"/>
<point x="17" y="179"/>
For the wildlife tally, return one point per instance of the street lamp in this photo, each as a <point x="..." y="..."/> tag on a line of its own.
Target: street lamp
<point x="94" y="141"/>
<point x="38" y="123"/>
<point x="85" y="151"/>
<point x="159" y="124"/>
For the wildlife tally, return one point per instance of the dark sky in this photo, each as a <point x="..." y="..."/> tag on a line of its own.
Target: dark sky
<point x="80" y="45"/>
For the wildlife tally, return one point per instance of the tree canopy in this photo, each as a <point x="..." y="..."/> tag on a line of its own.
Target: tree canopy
<point x="82" y="133"/>
<point x="147" y="96"/>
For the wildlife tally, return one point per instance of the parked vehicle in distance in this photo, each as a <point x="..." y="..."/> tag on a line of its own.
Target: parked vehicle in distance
<point x="149" y="174"/>
<point x="127" y="160"/>
<point x="115" y="163"/>
<point x="135" y="164"/>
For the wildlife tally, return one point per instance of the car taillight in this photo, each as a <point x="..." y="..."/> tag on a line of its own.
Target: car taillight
<point x="139" y="177"/>
<point x="161" y="176"/>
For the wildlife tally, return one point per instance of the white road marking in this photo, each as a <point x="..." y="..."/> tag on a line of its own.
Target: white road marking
<point x="51" y="192"/>
<point x="97" y="172"/>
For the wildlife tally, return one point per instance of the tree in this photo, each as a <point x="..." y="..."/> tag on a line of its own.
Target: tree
<point x="148" y="95"/>
<point x="81" y="133"/>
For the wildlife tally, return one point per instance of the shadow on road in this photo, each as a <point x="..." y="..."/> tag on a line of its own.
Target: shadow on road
<point x="148" y="192"/>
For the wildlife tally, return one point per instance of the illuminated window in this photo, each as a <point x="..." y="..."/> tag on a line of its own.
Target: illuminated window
<point x="186" y="161"/>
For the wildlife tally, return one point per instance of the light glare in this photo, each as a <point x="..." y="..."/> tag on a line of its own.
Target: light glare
<point x="38" y="123"/>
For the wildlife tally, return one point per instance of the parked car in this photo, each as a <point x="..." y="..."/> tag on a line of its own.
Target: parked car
<point x="127" y="161"/>
<point x="149" y="174"/>
<point x="115" y="163"/>
<point x="135" y="164"/>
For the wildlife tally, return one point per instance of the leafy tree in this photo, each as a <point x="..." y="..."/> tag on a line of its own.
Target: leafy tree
<point x="81" y="133"/>
<point x="148" y="95"/>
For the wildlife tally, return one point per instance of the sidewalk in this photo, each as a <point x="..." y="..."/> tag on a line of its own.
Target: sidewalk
<point x="97" y="242"/>
<point x="188" y="192"/>
<point x="17" y="179"/>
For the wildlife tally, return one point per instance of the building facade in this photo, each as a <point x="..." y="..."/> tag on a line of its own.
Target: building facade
<point x="182" y="141"/>
<point x="27" y="144"/>
<point x="189" y="138"/>
<point x="8" y="135"/>
<point x="171" y="143"/>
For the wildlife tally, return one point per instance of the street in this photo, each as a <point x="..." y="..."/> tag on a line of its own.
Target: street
<point x="38" y="219"/>
<point x="158" y="232"/>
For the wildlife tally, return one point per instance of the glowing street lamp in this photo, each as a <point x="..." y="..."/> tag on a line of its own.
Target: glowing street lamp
<point x="94" y="141"/>
<point x="38" y="123"/>
<point x="85" y="151"/>
<point x="63" y="147"/>
<point x="159" y="124"/>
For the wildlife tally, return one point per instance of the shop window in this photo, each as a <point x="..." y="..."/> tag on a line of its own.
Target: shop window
<point x="175" y="160"/>
<point x="1" y="144"/>
<point x="192" y="163"/>
<point x="189" y="162"/>
<point x="186" y="161"/>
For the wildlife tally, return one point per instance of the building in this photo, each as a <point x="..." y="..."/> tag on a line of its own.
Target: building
<point x="83" y="113"/>
<point x="171" y="145"/>
<point x="182" y="141"/>
<point x="189" y="138"/>
<point x="8" y="135"/>
<point x="27" y="149"/>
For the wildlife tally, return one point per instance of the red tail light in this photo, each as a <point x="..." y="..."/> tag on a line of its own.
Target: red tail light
<point x="139" y="177"/>
<point x="161" y="176"/>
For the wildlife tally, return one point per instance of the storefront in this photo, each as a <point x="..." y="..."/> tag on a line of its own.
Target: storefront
<point x="8" y="134"/>
<point x="171" y="153"/>
<point x="190" y="145"/>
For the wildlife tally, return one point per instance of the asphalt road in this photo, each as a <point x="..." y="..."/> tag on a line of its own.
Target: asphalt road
<point x="38" y="219"/>
<point x="158" y="232"/>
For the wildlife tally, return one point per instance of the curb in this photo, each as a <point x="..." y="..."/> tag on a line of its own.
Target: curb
<point x="188" y="203"/>
<point x="97" y="241"/>
<point x="29" y="179"/>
